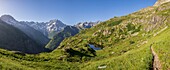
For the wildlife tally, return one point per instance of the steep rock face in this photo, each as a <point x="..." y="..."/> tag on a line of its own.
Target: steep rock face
<point x="13" y="39"/>
<point x="31" y="32"/>
<point x="160" y="2"/>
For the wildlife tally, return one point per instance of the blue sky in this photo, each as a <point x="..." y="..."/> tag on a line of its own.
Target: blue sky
<point x="70" y="11"/>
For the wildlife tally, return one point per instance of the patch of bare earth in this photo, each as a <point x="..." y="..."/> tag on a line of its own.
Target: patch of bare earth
<point x="156" y="61"/>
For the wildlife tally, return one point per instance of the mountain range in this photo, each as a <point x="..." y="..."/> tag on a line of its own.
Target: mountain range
<point x="49" y="29"/>
<point x="29" y="31"/>
<point x="137" y="41"/>
<point x="42" y="32"/>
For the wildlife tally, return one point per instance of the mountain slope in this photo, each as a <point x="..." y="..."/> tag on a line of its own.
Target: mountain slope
<point x="32" y="33"/>
<point x="124" y="41"/>
<point x="68" y="31"/>
<point x="116" y="30"/>
<point x="58" y="38"/>
<point x="13" y="39"/>
<point x="118" y="36"/>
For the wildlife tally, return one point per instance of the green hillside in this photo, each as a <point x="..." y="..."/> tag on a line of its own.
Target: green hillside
<point x="59" y="37"/>
<point x="125" y="44"/>
<point x="118" y="35"/>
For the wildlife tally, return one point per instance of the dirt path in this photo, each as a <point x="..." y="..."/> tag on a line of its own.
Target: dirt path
<point x="156" y="62"/>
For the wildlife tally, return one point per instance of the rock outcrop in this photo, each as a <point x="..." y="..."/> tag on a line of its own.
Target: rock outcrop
<point x="160" y="2"/>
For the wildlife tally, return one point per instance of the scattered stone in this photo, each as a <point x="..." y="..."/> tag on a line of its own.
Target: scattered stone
<point x="135" y="34"/>
<point x="102" y="67"/>
<point x="61" y="57"/>
<point x="160" y="31"/>
<point x="144" y="42"/>
<point x="19" y="53"/>
<point x="112" y="52"/>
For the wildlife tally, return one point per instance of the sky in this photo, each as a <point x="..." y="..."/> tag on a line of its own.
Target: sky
<point x="70" y="11"/>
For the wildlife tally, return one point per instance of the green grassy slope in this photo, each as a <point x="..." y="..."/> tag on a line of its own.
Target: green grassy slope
<point x="125" y="43"/>
<point x="162" y="48"/>
<point x="12" y="61"/>
<point x="139" y="58"/>
<point x="118" y="35"/>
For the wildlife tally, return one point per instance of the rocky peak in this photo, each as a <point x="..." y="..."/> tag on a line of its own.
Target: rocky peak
<point x="7" y="18"/>
<point x="159" y="2"/>
<point x="55" y="25"/>
<point x="56" y="22"/>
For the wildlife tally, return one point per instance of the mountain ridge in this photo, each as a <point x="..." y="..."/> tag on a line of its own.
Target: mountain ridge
<point x="47" y="28"/>
<point x="126" y="43"/>
<point x="32" y="33"/>
<point x="13" y="39"/>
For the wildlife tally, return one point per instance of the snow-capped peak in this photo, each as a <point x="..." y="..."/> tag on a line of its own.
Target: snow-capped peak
<point x="55" y="25"/>
<point x="87" y="24"/>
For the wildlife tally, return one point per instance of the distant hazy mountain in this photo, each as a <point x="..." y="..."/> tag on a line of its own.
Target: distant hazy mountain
<point x="67" y="32"/>
<point x="84" y="25"/>
<point x="13" y="39"/>
<point x="49" y="29"/>
<point x="40" y="38"/>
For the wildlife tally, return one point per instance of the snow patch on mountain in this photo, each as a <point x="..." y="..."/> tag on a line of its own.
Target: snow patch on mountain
<point x="84" y="25"/>
<point x="47" y="27"/>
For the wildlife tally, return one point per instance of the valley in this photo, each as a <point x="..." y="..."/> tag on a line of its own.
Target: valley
<point x="137" y="41"/>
